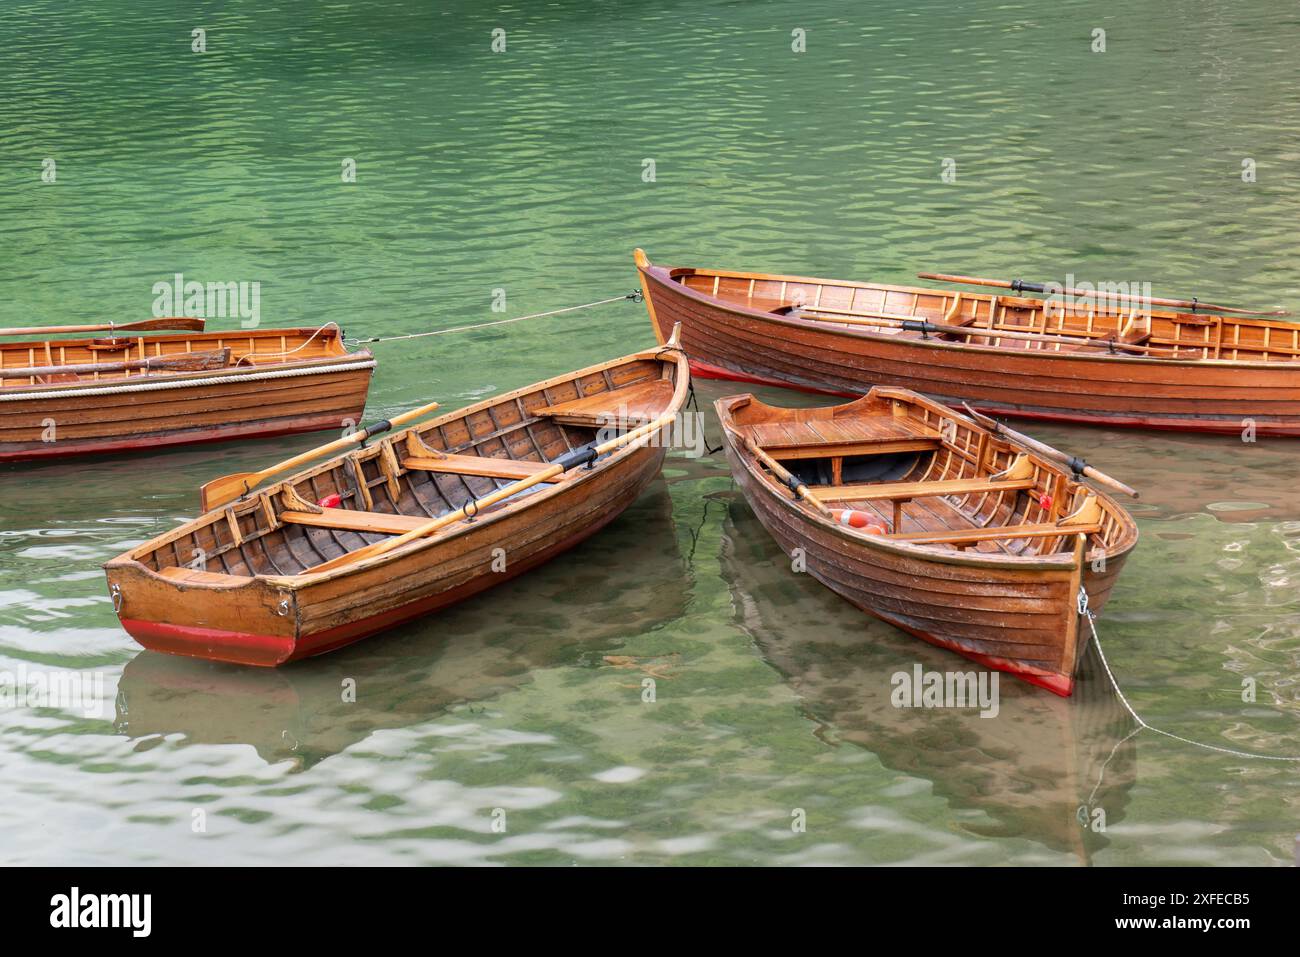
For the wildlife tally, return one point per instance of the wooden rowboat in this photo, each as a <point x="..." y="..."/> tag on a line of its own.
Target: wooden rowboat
<point x="1006" y="354"/>
<point x="419" y="520"/>
<point x="922" y="517"/>
<point x="61" y="397"/>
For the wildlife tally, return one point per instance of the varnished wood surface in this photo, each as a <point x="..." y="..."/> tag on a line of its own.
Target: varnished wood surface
<point x="260" y="603"/>
<point x="1218" y="374"/>
<point x="97" y="412"/>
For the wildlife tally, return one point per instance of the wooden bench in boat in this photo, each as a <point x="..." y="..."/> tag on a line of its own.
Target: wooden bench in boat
<point x="195" y="576"/>
<point x="999" y="533"/>
<point x="839" y="438"/>
<point x="381" y="523"/>
<point x="1018" y="476"/>
<point x="910" y="490"/>
<point x="488" y="466"/>
<point x="635" y="404"/>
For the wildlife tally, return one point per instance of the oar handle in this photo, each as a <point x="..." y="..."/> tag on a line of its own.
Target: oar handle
<point x="798" y="488"/>
<point x="383" y="425"/>
<point x="1101" y="477"/>
<point x="142" y="325"/>
<point x="977" y="281"/>
<point x="1074" y="463"/>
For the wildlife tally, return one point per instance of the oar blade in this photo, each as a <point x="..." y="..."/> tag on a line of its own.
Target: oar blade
<point x="227" y="488"/>
<point x="180" y="323"/>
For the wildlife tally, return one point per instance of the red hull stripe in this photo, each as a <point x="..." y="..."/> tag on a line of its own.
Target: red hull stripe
<point x="1062" y="685"/>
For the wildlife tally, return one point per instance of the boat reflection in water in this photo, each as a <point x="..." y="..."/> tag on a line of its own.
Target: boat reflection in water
<point x="1045" y="768"/>
<point x="623" y="581"/>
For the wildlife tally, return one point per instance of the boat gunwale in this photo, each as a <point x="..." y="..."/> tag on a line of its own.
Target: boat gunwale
<point x="1063" y="560"/>
<point x="293" y="583"/>
<point x="667" y="275"/>
<point x="234" y="373"/>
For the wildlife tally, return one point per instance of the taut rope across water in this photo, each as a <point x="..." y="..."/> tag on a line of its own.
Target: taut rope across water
<point x="633" y="296"/>
<point x="1086" y="612"/>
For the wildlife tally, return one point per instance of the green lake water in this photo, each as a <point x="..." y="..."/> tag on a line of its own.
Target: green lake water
<point x="523" y="171"/>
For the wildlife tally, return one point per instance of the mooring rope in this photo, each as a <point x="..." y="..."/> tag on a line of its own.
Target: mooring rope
<point x="298" y="348"/>
<point x="145" y="386"/>
<point x="1086" y="612"/>
<point x="634" y="296"/>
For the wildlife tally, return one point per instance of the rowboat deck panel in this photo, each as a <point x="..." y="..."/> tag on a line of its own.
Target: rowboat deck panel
<point x="639" y="402"/>
<point x="831" y="432"/>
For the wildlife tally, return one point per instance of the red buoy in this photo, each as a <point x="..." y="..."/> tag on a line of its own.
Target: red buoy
<point x="331" y="501"/>
<point x="855" y="519"/>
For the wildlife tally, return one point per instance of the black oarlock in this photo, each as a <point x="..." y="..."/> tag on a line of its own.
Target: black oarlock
<point x="583" y="456"/>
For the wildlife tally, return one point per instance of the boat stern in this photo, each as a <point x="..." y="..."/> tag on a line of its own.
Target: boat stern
<point x="199" y="614"/>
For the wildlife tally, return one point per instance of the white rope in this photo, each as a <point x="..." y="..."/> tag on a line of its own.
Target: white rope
<point x="1142" y="725"/>
<point x="635" y="296"/>
<point x="188" y="383"/>
<point x="297" y="348"/>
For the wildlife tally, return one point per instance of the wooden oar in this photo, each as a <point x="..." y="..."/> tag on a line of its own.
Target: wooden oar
<point x="787" y="479"/>
<point x="181" y="362"/>
<point x="1075" y="464"/>
<point x="230" y="487"/>
<point x="1019" y="285"/>
<point x="469" y="510"/>
<point x="969" y="332"/>
<point x="144" y="325"/>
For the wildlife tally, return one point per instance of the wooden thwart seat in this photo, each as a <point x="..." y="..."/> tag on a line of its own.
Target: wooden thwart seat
<point x="483" y="465"/>
<point x="910" y="490"/>
<point x="824" y="438"/>
<point x="355" y="521"/>
<point x="1000" y="533"/>
<point x="195" y="576"/>
<point x="636" y="404"/>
